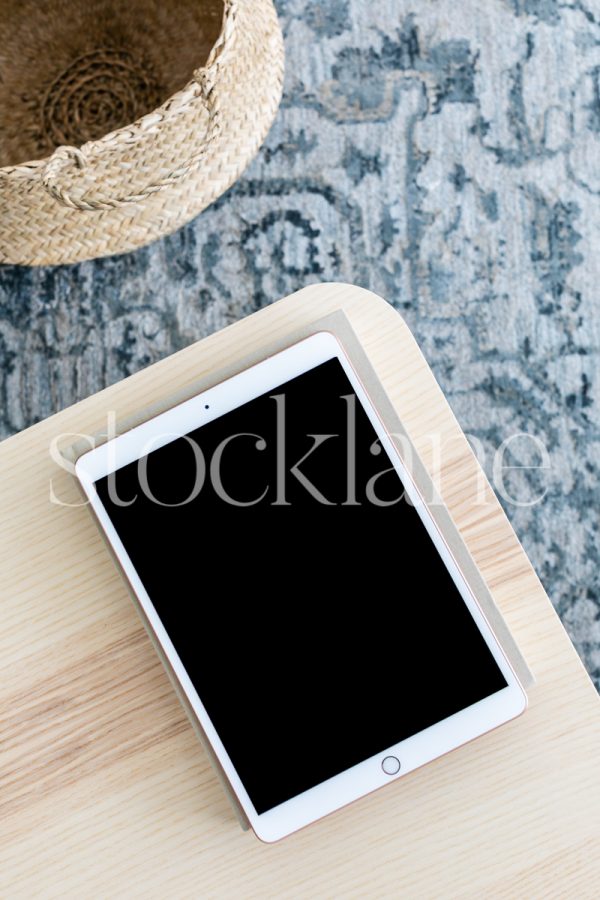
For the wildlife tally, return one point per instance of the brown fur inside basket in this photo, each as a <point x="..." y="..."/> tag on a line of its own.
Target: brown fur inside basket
<point x="73" y="70"/>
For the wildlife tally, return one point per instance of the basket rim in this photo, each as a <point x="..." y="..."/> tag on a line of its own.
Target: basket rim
<point x="173" y="105"/>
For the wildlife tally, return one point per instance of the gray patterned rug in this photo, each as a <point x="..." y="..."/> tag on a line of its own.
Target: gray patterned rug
<point x="445" y="155"/>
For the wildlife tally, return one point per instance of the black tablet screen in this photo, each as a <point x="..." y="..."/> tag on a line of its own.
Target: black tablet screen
<point x="303" y="595"/>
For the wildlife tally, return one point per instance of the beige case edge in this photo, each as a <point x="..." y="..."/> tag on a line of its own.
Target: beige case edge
<point x="338" y="324"/>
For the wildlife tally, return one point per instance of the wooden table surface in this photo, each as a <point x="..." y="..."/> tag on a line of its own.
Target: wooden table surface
<point x="104" y="788"/>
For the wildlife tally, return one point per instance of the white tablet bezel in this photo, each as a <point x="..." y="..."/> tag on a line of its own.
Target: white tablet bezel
<point x="368" y="775"/>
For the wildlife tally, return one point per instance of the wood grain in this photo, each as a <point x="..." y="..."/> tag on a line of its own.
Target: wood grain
<point x="104" y="789"/>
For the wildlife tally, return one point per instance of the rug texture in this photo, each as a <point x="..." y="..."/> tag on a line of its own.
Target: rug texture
<point x="445" y="155"/>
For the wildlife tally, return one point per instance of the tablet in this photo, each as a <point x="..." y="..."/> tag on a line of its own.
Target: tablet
<point x="319" y="628"/>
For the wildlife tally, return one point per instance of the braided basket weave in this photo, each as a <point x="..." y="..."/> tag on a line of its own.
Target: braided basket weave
<point x="135" y="117"/>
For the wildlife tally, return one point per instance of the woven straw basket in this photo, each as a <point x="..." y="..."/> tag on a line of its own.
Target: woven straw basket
<point x="136" y="115"/>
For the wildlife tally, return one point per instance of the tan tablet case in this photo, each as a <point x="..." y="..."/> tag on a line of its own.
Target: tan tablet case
<point x="338" y="324"/>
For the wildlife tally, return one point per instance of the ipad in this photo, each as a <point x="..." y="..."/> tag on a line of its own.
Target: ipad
<point x="320" y="630"/>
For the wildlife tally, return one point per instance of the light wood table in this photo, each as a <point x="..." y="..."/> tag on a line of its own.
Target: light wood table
<point x="105" y="790"/>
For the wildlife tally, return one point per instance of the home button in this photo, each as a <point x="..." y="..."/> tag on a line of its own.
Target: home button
<point x="390" y="765"/>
